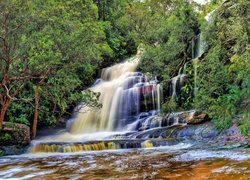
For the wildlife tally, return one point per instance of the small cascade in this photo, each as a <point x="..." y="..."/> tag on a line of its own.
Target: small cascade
<point x="198" y="48"/>
<point x="185" y="68"/>
<point x="174" y="86"/>
<point x="209" y="16"/>
<point x="159" y="96"/>
<point x="195" y="64"/>
<point x="66" y="147"/>
<point x="178" y="81"/>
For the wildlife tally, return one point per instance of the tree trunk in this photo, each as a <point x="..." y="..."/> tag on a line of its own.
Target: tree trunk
<point x="34" y="126"/>
<point x="3" y="111"/>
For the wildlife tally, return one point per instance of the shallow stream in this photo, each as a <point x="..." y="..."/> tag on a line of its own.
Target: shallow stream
<point x="180" y="161"/>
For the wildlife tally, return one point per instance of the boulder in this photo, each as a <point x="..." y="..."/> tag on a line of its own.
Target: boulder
<point x="186" y="117"/>
<point x="195" y="117"/>
<point x="14" y="134"/>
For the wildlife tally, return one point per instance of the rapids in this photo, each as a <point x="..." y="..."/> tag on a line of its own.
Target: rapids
<point x="170" y="162"/>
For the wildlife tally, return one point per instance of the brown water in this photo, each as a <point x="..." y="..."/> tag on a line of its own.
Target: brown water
<point x="174" y="162"/>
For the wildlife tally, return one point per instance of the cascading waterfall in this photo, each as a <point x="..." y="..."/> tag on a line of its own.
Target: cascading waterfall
<point x="124" y="94"/>
<point x="130" y="103"/>
<point x="129" y="100"/>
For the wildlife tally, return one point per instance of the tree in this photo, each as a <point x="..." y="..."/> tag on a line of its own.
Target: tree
<point x="14" y="66"/>
<point x="50" y="49"/>
<point x="64" y="43"/>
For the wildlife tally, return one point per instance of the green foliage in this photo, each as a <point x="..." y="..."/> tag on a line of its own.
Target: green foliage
<point x="168" y="38"/>
<point x="118" y="35"/>
<point x="223" y="77"/>
<point x="244" y="124"/>
<point x="169" y="105"/>
<point x="185" y="97"/>
<point x="64" y="43"/>
<point x="5" y="136"/>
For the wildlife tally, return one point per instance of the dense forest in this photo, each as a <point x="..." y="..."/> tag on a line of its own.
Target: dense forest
<point x="53" y="50"/>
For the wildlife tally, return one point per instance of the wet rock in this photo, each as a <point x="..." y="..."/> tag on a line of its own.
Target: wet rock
<point x="156" y="122"/>
<point x="209" y="132"/>
<point x="165" y="134"/>
<point x="155" y="134"/>
<point x="12" y="150"/>
<point x="170" y="120"/>
<point x="232" y="135"/>
<point x="62" y="121"/>
<point x="14" y="139"/>
<point x="186" y="133"/>
<point x="194" y="117"/>
<point x="188" y="117"/>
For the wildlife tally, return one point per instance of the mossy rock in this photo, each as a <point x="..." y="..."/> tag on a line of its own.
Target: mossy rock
<point x="14" y="134"/>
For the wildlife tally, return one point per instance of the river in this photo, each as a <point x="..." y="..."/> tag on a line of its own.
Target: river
<point x="181" y="161"/>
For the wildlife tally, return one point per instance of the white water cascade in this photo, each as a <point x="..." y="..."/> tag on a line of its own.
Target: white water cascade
<point x="198" y="48"/>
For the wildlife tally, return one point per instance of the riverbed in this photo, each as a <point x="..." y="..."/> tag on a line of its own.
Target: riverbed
<point x="181" y="161"/>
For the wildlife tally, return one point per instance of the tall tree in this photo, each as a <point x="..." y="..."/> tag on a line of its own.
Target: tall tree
<point x="14" y="66"/>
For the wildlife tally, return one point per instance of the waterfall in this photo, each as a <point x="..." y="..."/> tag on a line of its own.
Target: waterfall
<point x="198" y="48"/>
<point x="130" y="103"/>
<point x="195" y="63"/>
<point x="125" y="93"/>
<point x="177" y="81"/>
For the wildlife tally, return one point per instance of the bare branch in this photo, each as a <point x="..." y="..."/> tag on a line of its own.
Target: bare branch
<point x="24" y="78"/>
<point x="16" y="28"/>
<point x="7" y="91"/>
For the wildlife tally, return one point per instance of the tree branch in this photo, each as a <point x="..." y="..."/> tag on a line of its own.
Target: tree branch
<point x="7" y="91"/>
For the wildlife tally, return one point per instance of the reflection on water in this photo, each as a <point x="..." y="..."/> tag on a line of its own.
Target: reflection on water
<point x="176" y="162"/>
